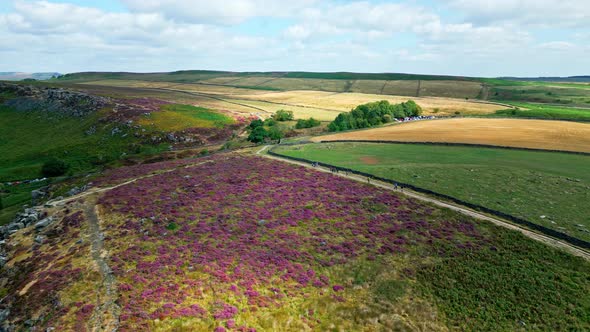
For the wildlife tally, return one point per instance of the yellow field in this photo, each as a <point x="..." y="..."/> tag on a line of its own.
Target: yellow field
<point x="536" y="134"/>
<point x="322" y="105"/>
<point x="344" y="102"/>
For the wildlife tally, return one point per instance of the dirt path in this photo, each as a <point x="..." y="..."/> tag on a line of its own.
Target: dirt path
<point x="97" y="190"/>
<point x="106" y="314"/>
<point x="531" y="234"/>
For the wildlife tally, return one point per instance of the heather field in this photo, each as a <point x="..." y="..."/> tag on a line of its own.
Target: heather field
<point x="241" y="243"/>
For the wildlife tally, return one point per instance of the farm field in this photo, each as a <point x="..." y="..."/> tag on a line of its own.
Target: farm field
<point x="535" y="134"/>
<point x="544" y="111"/>
<point x="287" y="248"/>
<point x="347" y="101"/>
<point x="321" y="105"/>
<point x="547" y="188"/>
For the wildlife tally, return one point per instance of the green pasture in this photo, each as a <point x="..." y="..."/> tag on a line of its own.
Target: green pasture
<point x="548" y="188"/>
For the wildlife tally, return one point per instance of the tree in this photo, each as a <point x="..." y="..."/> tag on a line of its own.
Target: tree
<point x="256" y="123"/>
<point x="54" y="167"/>
<point x="275" y="133"/>
<point x="270" y="122"/>
<point x="283" y="115"/>
<point x="258" y="135"/>
<point x="309" y="123"/>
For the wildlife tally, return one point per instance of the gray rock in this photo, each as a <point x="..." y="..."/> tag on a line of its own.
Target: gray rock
<point x="4" y="315"/>
<point x="261" y="222"/>
<point x="44" y="223"/>
<point x="39" y="239"/>
<point x="3" y="260"/>
<point x="38" y="194"/>
<point x="76" y="190"/>
<point x="15" y="226"/>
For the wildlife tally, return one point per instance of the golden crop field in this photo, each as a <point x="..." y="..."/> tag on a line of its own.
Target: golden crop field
<point x="344" y="102"/>
<point x="536" y="134"/>
<point x="321" y="105"/>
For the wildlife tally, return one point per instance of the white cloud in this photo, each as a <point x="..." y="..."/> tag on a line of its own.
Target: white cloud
<point x="557" y="46"/>
<point x="550" y="13"/>
<point x="359" y="18"/>
<point x="217" y="12"/>
<point x="480" y="38"/>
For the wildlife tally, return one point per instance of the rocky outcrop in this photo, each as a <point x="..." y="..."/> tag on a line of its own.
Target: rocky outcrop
<point x="24" y="219"/>
<point x="55" y="101"/>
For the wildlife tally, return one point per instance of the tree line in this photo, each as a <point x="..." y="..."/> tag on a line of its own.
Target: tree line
<point x="374" y="114"/>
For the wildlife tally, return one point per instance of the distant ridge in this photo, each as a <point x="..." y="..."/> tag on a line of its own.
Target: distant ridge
<point x="17" y="76"/>
<point x="577" y="79"/>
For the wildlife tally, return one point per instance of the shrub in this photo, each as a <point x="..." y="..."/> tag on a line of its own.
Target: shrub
<point x="275" y="133"/>
<point x="258" y="135"/>
<point x="54" y="167"/>
<point x="256" y="123"/>
<point x="309" y="123"/>
<point x="270" y="122"/>
<point x="283" y="115"/>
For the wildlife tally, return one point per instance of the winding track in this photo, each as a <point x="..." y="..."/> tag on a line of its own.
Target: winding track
<point x="107" y="313"/>
<point x="528" y="233"/>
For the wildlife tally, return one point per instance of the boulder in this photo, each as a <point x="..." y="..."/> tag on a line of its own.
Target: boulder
<point x="14" y="226"/>
<point x="38" y="194"/>
<point x="4" y="313"/>
<point x="43" y="223"/>
<point x="39" y="239"/>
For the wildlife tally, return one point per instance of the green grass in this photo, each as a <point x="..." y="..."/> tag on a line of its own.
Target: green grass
<point x="541" y="111"/>
<point x="546" y="93"/>
<point x="371" y="76"/>
<point x="28" y="139"/>
<point x="175" y="117"/>
<point x="517" y="283"/>
<point x="547" y="188"/>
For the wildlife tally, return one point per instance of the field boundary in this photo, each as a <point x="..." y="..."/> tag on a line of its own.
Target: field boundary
<point x="519" y="221"/>
<point x="470" y="145"/>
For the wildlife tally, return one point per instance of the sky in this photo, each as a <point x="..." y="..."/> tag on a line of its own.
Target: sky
<point x="484" y="38"/>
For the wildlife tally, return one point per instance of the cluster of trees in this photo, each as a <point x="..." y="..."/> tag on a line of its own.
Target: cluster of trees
<point x="54" y="167"/>
<point x="374" y="114"/>
<point x="261" y="131"/>
<point x="282" y="115"/>
<point x="309" y="123"/>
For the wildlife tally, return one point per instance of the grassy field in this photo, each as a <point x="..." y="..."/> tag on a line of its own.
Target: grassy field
<point x="550" y="189"/>
<point x="544" y="92"/>
<point x="28" y="139"/>
<point x="543" y="111"/>
<point x="536" y="134"/>
<point x="175" y="117"/>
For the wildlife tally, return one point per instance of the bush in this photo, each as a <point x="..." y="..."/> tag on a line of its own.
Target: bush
<point x="256" y="123"/>
<point x="283" y="115"/>
<point x="54" y="167"/>
<point x="275" y="133"/>
<point x="258" y="135"/>
<point x="270" y="122"/>
<point x="309" y="123"/>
